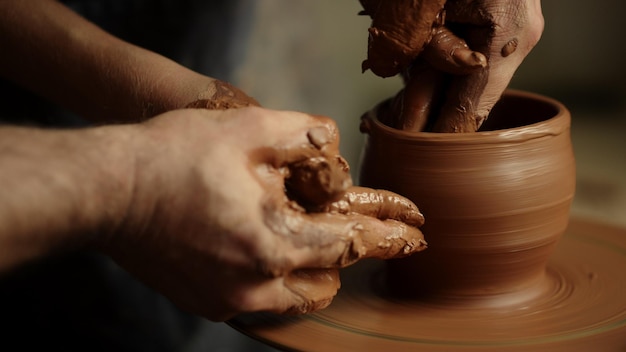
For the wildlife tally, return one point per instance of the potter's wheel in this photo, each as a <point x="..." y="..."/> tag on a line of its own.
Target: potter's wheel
<point x="582" y="306"/>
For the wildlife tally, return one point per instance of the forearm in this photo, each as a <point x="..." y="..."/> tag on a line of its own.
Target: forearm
<point x="61" y="189"/>
<point x="49" y="49"/>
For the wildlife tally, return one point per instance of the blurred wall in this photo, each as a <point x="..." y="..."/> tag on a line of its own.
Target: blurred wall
<point x="306" y="55"/>
<point x="580" y="58"/>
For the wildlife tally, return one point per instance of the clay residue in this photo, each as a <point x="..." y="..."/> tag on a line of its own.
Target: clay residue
<point x="380" y="204"/>
<point x="577" y="306"/>
<point x="223" y="96"/>
<point x="400" y="29"/>
<point x="315" y="288"/>
<point x="319" y="180"/>
<point x="322" y="223"/>
<point x="414" y="39"/>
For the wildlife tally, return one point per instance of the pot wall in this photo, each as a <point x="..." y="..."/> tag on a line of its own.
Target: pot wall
<point x="495" y="201"/>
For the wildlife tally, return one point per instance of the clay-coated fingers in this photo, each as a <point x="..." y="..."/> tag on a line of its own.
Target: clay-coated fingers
<point x="295" y="137"/>
<point x="303" y="151"/>
<point x="313" y="289"/>
<point x="297" y="292"/>
<point x="358" y="236"/>
<point x="450" y="54"/>
<point x="414" y="105"/>
<point x="222" y="95"/>
<point x="380" y="204"/>
<point x="333" y="240"/>
<point x="398" y="33"/>
<point x="459" y="113"/>
<point x="505" y="31"/>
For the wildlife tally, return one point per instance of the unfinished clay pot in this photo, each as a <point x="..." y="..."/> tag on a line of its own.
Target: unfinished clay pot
<point x="496" y="201"/>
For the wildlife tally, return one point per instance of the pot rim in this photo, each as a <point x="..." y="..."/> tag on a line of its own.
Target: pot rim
<point x="552" y="126"/>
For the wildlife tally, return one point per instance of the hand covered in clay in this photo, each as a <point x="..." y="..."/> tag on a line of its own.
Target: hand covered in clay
<point x="457" y="56"/>
<point x="249" y="209"/>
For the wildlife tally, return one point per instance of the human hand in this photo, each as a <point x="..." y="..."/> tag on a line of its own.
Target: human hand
<point x="469" y="52"/>
<point x="215" y="226"/>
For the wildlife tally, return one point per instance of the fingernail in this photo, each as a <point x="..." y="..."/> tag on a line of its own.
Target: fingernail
<point x="415" y="218"/>
<point x="412" y="247"/>
<point x="470" y="59"/>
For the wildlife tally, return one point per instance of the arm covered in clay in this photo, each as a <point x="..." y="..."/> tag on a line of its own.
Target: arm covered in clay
<point x="54" y="52"/>
<point x="457" y="56"/>
<point x="205" y="206"/>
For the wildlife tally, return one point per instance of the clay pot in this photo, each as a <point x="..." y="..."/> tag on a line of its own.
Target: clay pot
<point x="496" y="201"/>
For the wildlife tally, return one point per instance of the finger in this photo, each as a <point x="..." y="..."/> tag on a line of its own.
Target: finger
<point x="333" y="240"/>
<point x="222" y="95"/>
<point x="319" y="138"/>
<point x="460" y="113"/>
<point x="505" y="31"/>
<point x="284" y="137"/>
<point x="399" y="240"/>
<point x="315" y="173"/>
<point x="450" y="54"/>
<point x="350" y="238"/>
<point x="313" y="289"/>
<point x="414" y="105"/>
<point x="470" y="98"/>
<point x="298" y="292"/>
<point x="398" y="33"/>
<point x="380" y="204"/>
<point x="303" y="151"/>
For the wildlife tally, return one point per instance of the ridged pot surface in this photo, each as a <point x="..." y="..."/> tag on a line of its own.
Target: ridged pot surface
<point x="496" y="201"/>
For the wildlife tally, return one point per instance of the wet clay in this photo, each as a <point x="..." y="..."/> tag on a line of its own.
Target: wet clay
<point x="580" y="308"/>
<point x="505" y="269"/>
<point x="223" y="95"/>
<point x="312" y="207"/>
<point x="442" y="49"/>
<point x="318" y="210"/>
<point x="399" y="32"/>
<point x="496" y="201"/>
<point x="402" y="30"/>
<point x="316" y="288"/>
<point x="341" y="225"/>
<point x="379" y="204"/>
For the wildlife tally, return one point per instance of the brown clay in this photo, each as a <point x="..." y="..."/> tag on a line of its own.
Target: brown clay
<point x="581" y="309"/>
<point x="496" y="205"/>
<point x="399" y="32"/>
<point x="496" y="202"/>
<point x="223" y="96"/>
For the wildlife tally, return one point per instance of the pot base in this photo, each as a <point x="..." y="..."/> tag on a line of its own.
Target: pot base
<point x="578" y="305"/>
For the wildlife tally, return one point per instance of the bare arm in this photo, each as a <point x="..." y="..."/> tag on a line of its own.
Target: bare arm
<point x="49" y="49"/>
<point x="193" y="203"/>
<point x="59" y="189"/>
